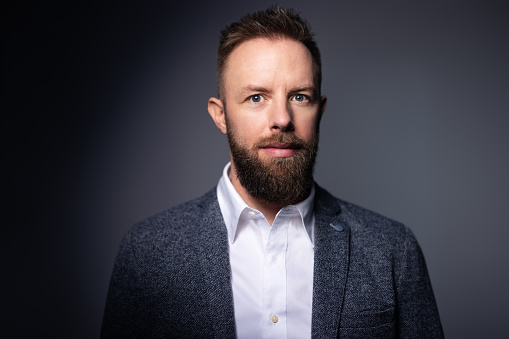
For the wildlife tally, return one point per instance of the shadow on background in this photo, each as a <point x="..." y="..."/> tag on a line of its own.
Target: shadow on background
<point x="106" y="124"/>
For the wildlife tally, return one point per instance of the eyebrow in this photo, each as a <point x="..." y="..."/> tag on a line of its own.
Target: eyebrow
<point x="303" y="89"/>
<point x="253" y="88"/>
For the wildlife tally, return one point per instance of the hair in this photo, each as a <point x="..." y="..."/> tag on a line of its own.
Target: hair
<point x="273" y="23"/>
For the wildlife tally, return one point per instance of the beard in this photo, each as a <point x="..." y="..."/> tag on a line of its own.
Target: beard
<point x="282" y="181"/>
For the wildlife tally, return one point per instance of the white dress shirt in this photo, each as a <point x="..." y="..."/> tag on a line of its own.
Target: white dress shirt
<point x="272" y="266"/>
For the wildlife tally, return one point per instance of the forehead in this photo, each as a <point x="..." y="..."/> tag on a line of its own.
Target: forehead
<point x="269" y="62"/>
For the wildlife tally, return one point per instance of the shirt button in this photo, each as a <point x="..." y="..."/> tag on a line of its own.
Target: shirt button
<point x="274" y="318"/>
<point x="252" y="214"/>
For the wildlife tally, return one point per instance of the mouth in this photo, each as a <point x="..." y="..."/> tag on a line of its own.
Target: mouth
<point x="280" y="149"/>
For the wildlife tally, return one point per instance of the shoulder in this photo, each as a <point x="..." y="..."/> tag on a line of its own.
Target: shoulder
<point x="367" y="228"/>
<point x="178" y="222"/>
<point x="377" y="244"/>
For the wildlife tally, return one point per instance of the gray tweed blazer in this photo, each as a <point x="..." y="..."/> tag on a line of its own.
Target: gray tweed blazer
<point x="172" y="276"/>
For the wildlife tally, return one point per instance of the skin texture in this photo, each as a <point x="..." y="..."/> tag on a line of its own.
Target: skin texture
<point x="269" y="91"/>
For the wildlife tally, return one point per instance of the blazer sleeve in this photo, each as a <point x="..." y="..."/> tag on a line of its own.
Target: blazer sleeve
<point x="416" y="309"/>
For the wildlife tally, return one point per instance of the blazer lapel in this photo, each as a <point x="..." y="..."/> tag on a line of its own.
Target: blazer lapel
<point x="332" y="249"/>
<point x="215" y="262"/>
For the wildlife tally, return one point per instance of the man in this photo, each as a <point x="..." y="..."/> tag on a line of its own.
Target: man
<point x="269" y="253"/>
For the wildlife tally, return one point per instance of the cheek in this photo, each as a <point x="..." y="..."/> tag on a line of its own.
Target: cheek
<point x="306" y="128"/>
<point x="250" y="128"/>
<point x="245" y="131"/>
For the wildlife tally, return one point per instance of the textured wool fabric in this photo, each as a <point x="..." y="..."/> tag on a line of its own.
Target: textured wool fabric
<point x="172" y="276"/>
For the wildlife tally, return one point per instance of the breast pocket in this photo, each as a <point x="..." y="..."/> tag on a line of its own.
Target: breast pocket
<point x="368" y="324"/>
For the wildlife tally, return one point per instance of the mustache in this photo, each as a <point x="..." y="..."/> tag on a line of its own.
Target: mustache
<point x="285" y="138"/>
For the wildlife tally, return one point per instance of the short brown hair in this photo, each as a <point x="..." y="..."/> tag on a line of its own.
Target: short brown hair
<point x="273" y="23"/>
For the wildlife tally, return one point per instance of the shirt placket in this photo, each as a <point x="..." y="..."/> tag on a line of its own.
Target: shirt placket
<point x="274" y="280"/>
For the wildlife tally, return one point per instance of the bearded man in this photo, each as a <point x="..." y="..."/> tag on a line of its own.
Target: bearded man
<point x="269" y="253"/>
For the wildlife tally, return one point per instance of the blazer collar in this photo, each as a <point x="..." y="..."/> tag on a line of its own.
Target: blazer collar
<point x="215" y="262"/>
<point x="332" y="257"/>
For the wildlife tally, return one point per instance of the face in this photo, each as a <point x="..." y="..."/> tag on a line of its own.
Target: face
<point x="271" y="114"/>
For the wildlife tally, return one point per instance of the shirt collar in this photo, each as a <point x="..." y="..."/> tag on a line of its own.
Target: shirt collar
<point x="232" y="205"/>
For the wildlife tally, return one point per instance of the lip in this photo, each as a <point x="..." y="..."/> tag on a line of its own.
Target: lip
<point x="280" y="149"/>
<point x="280" y="145"/>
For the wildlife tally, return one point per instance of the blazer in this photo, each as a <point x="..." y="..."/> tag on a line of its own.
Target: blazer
<point x="172" y="276"/>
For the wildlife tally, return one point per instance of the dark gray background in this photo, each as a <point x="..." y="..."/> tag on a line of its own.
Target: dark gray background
<point x="105" y="123"/>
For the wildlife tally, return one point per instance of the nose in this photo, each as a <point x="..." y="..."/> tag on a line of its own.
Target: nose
<point x="281" y="117"/>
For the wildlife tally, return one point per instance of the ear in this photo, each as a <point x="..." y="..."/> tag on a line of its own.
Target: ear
<point x="323" y="105"/>
<point x="216" y="111"/>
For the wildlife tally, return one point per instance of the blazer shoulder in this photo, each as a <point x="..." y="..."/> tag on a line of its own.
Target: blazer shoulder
<point x="362" y="221"/>
<point x="177" y="221"/>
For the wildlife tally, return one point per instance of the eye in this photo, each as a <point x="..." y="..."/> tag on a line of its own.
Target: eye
<point x="300" y="97"/>
<point x="256" y="98"/>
